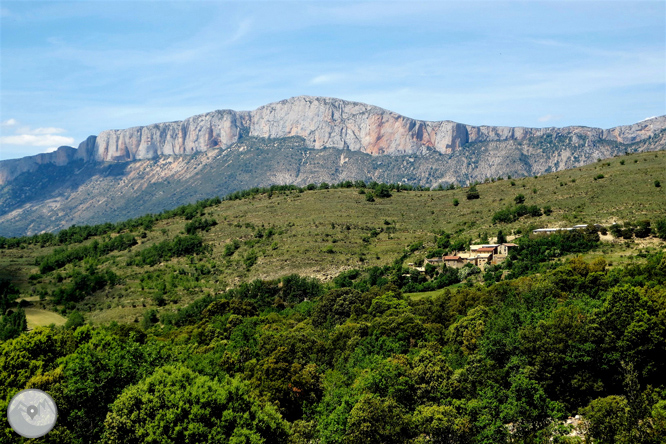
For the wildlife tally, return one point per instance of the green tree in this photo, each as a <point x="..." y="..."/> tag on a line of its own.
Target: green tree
<point x="607" y="419"/>
<point x="176" y="405"/>
<point x="501" y="238"/>
<point x="12" y="324"/>
<point x="529" y="409"/>
<point x="376" y="420"/>
<point x="8" y="293"/>
<point x="441" y="424"/>
<point x="74" y="320"/>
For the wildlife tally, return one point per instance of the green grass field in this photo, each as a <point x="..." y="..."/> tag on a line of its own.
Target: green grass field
<point x="322" y="233"/>
<point x="37" y="317"/>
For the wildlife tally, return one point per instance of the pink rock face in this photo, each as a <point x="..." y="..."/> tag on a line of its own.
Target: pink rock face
<point x="327" y="122"/>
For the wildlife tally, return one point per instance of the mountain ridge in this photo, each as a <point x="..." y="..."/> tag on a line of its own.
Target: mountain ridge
<point x="321" y="121"/>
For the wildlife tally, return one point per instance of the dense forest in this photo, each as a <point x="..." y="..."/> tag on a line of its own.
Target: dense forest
<point x="507" y="358"/>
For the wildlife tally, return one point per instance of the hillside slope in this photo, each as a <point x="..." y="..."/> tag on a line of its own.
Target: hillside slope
<point x="321" y="233"/>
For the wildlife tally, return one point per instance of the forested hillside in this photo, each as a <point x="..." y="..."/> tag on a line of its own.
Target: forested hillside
<point x="294" y="361"/>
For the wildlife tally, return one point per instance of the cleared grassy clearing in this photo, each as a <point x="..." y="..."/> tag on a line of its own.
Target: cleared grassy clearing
<point x="37" y="317"/>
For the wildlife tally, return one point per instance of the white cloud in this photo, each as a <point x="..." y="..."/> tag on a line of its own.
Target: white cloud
<point x="46" y="131"/>
<point x="51" y="149"/>
<point x="326" y="78"/>
<point x="37" y="137"/>
<point x="550" y="117"/>
<point x="36" y="140"/>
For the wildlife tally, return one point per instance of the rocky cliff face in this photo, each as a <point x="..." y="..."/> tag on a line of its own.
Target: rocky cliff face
<point x="321" y="122"/>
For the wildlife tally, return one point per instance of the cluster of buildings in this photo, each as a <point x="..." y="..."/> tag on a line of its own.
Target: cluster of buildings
<point x="479" y="255"/>
<point x="484" y="254"/>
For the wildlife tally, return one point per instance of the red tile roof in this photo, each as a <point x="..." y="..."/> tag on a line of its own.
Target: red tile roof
<point x="486" y="249"/>
<point x="451" y="258"/>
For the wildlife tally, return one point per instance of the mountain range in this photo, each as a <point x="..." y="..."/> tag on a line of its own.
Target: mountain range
<point x="125" y="173"/>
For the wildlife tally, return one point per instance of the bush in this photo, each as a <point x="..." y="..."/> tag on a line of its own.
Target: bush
<point x="643" y="229"/>
<point x="165" y="250"/>
<point x="250" y="259"/>
<point x="512" y="214"/>
<point x="657" y="183"/>
<point x="455" y="202"/>
<point x="199" y="224"/>
<point x="660" y="228"/>
<point x="519" y="199"/>
<point x="383" y="191"/>
<point x="230" y="249"/>
<point x="369" y="197"/>
<point x="473" y="193"/>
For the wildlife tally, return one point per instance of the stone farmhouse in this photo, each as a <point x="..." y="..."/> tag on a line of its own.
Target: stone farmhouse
<point x="479" y="255"/>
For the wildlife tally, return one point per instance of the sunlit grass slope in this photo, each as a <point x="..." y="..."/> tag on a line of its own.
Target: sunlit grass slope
<point x="323" y="232"/>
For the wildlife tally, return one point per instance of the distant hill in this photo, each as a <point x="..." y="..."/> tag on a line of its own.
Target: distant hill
<point x="126" y="173"/>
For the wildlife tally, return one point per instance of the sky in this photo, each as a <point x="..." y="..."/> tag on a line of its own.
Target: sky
<point x="72" y="69"/>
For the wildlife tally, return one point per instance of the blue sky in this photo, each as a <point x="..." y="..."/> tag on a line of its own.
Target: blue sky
<point x="71" y="69"/>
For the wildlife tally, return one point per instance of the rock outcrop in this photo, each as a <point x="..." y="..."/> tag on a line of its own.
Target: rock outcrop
<point x="321" y="122"/>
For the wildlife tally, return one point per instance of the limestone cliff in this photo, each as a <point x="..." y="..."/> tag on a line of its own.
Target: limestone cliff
<point x="321" y="122"/>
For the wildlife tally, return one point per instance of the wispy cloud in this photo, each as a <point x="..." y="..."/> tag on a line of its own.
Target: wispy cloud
<point x="549" y="117"/>
<point x="37" y="137"/>
<point x="327" y="79"/>
<point x="32" y="140"/>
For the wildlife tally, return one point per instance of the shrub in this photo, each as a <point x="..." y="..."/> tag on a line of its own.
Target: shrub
<point x="657" y="184"/>
<point x="660" y="228"/>
<point x="456" y="202"/>
<point x="383" y="191"/>
<point x="599" y="176"/>
<point x="643" y="229"/>
<point x="250" y="259"/>
<point x="231" y="248"/>
<point x="519" y="199"/>
<point x="472" y="193"/>
<point x="165" y="250"/>
<point x="369" y="197"/>
<point x="199" y="224"/>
